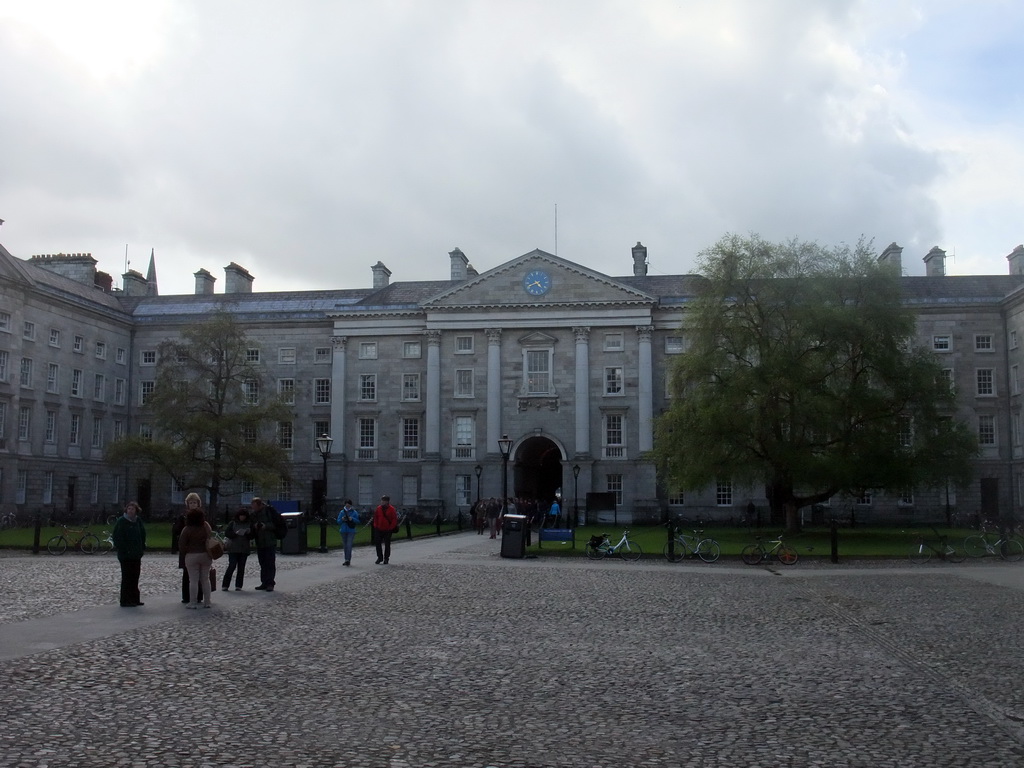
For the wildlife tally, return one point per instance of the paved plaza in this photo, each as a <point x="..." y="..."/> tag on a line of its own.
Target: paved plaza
<point x="454" y="656"/>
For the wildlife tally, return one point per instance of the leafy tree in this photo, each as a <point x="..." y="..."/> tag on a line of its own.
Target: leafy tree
<point x="800" y="375"/>
<point x="213" y="420"/>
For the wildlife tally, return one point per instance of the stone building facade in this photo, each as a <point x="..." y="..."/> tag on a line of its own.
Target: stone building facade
<point x="417" y="381"/>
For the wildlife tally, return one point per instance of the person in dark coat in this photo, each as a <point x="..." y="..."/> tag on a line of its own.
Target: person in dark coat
<point x="129" y="538"/>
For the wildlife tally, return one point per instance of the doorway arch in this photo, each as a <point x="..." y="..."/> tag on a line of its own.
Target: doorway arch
<point x="537" y="473"/>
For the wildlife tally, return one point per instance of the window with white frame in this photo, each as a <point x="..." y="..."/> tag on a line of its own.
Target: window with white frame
<point x="75" y="431"/>
<point x="54" y="338"/>
<point x="118" y="432"/>
<point x="1013" y="339"/>
<point x="368" y="386"/>
<point x="676" y="498"/>
<point x="250" y="434"/>
<point x="247" y="491"/>
<point x="147" y="357"/>
<point x="99" y="387"/>
<point x="613" y="380"/>
<point x="78" y="344"/>
<point x="464" y="437"/>
<point x="538" y="371"/>
<point x="4" y="357"/>
<point x="146" y="389"/>
<point x="146" y="432"/>
<point x="321" y="355"/>
<point x="52" y="377"/>
<point x="1015" y="379"/>
<point x="411" y="386"/>
<point x="1015" y="426"/>
<point x="121" y="357"/>
<point x="614" y="434"/>
<point x="286" y="391"/>
<point x="463" y="382"/>
<point x="120" y="386"/>
<point x="48" y="487"/>
<point x="983" y="342"/>
<point x="321" y="391"/>
<point x="26" y="372"/>
<point x="3" y="420"/>
<point x="463" y="490"/>
<point x="285" y="435"/>
<point x="986" y="429"/>
<point x="286" y="356"/>
<point x="284" y="488"/>
<point x="674" y="345"/>
<point x="97" y="432"/>
<point x="942" y="343"/>
<point x="410" y="437"/>
<point x="21" y="491"/>
<point x="614" y="342"/>
<point x="252" y="355"/>
<point x="320" y="428"/>
<point x="29" y="331"/>
<point x="463" y="345"/>
<point x="50" y="433"/>
<point x="24" y="423"/>
<point x="368" y="350"/>
<point x="410" y="490"/>
<point x="76" y="382"/>
<point x="366" y="447"/>
<point x="412" y="349"/>
<point x="613" y="484"/>
<point x="906" y="498"/>
<point x="5" y="322"/>
<point x="115" y="488"/>
<point x="364" y="490"/>
<point x="251" y="391"/>
<point x="101" y="350"/>
<point x="905" y="432"/>
<point x="986" y="382"/>
<point x="723" y="493"/>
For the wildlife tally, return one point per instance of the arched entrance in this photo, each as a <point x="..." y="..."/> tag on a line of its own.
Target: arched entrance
<point x="537" y="472"/>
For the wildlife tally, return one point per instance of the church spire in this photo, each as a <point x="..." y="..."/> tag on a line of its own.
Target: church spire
<point x="152" y="289"/>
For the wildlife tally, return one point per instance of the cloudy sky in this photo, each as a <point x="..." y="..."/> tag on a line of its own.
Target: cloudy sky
<point x="307" y="140"/>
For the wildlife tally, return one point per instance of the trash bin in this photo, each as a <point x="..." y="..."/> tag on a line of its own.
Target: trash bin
<point x="294" y="541"/>
<point x="513" y="536"/>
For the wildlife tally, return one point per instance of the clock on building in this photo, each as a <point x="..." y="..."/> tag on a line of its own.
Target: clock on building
<point x="537" y="282"/>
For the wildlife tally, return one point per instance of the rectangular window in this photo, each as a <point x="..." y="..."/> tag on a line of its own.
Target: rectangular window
<point x="3" y="364"/>
<point x="251" y="391"/>
<point x="26" y="372"/>
<point x="463" y="382"/>
<point x="368" y="386"/>
<point x="3" y="420"/>
<point x="286" y="356"/>
<point x="411" y="349"/>
<point x="674" y="345"/>
<point x="50" y="435"/>
<point x="941" y="343"/>
<point x="411" y="386"/>
<point x="986" y="429"/>
<point x="410" y="438"/>
<point x="146" y="432"/>
<point x="463" y="490"/>
<point x="115" y="489"/>
<point x="321" y="391"/>
<point x="410" y="490"/>
<point x="99" y="387"/>
<point x="119" y="390"/>
<point x="118" y="429"/>
<point x="145" y="390"/>
<point x="1013" y="339"/>
<point x="613" y="342"/>
<point x="5" y="322"/>
<point x="252" y="356"/>
<point x="320" y="428"/>
<point x="286" y="391"/>
<point x="463" y="345"/>
<point x="48" y="487"/>
<point x="121" y="356"/>
<point x="21" y="491"/>
<point x="723" y="493"/>
<point x="75" y="433"/>
<point x="250" y="434"/>
<point x="101" y="350"/>
<point x="29" y="331"/>
<point x="983" y="342"/>
<point x="322" y="355"/>
<point x="905" y="434"/>
<point x="285" y="435"/>
<point x="247" y="489"/>
<point x="54" y="338"/>
<point x="52" y="377"/>
<point x="613" y="380"/>
<point x="76" y="382"/>
<point x="676" y="499"/>
<point x="366" y="448"/>
<point x="97" y="432"/>
<point x="78" y="345"/>
<point x="94" y="489"/>
<point x="464" y="437"/>
<point x="613" y="484"/>
<point x="538" y="371"/>
<point x="1015" y="426"/>
<point x="614" y="436"/>
<point x="985" y="382"/>
<point x="1015" y="379"/>
<point x="364" y="491"/>
<point x="284" y="488"/>
<point x="147" y="357"/>
<point x="368" y="350"/>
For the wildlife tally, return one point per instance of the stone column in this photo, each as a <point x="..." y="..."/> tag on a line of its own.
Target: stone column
<point x="338" y="405"/>
<point x="494" y="409"/>
<point x="432" y="428"/>
<point x="582" y="336"/>
<point x="645" y="389"/>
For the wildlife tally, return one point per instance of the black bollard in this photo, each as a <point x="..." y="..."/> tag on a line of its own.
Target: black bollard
<point x="37" y="532"/>
<point x="323" y="533"/>
<point x="834" y="540"/>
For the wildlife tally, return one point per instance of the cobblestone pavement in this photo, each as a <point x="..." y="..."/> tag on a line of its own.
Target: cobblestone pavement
<point x="452" y="656"/>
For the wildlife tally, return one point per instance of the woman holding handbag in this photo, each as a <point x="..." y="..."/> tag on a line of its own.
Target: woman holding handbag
<point x="192" y="550"/>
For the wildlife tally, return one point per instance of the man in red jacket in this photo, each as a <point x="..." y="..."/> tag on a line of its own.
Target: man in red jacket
<point x="385" y="523"/>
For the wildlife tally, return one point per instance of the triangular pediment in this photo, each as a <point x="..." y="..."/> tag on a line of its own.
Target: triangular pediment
<point x="538" y="279"/>
<point x="537" y="339"/>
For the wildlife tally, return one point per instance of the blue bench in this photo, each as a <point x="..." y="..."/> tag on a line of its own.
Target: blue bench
<point x="562" y="535"/>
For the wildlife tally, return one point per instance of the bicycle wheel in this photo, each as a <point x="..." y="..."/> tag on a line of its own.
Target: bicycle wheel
<point x="752" y="554"/>
<point x="708" y="550"/>
<point x="630" y="551"/>
<point x="920" y="553"/>
<point x="58" y="545"/>
<point x="954" y="555"/>
<point x="106" y="546"/>
<point x="676" y="553"/>
<point x="1011" y="550"/>
<point x="975" y="546"/>
<point x="89" y="544"/>
<point x="787" y="555"/>
<point x="595" y="552"/>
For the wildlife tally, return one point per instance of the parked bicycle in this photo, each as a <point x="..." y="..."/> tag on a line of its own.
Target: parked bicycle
<point x="106" y="544"/>
<point x="988" y="543"/>
<point x="82" y="539"/>
<point x="683" y="545"/>
<point x="600" y="546"/>
<point x="922" y="550"/>
<point x="757" y="553"/>
<point x="8" y="520"/>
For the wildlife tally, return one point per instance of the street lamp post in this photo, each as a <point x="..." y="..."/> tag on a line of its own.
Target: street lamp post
<point x="477" y="525"/>
<point x="505" y="446"/>
<point x="575" y="495"/>
<point x="323" y="444"/>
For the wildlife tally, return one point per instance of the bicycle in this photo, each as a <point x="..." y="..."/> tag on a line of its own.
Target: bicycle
<point x="8" y="520"/>
<point x="600" y="546"/>
<point x="754" y="554"/>
<point x="683" y="545"/>
<point x="979" y="545"/>
<point x="84" y="540"/>
<point x="922" y="550"/>
<point x="106" y="544"/>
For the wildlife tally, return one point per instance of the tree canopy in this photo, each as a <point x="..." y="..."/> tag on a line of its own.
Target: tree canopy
<point x="212" y="420"/>
<point x="801" y="373"/>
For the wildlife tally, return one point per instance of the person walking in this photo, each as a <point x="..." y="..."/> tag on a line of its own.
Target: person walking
<point x="348" y="520"/>
<point x="239" y="534"/>
<point x="192" y="550"/>
<point x="129" y="538"/>
<point x="385" y="523"/>
<point x="493" y="513"/>
<point x="269" y="527"/>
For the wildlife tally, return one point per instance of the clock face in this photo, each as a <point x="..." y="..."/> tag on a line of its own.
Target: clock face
<point x="537" y="282"/>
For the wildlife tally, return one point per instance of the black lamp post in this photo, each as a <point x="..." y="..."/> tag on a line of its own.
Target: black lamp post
<point x="575" y="495"/>
<point x="323" y="444"/>
<point x="478" y="470"/>
<point x="505" y="446"/>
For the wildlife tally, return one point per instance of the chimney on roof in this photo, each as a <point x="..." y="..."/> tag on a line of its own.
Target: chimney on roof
<point x="471" y="271"/>
<point x="1016" y="259"/>
<point x="935" y="262"/>
<point x="80" y="267"/>
<point x="381" y="275"/>
<point x="134" y="284"/>
<point x="237" y="279"/>
<point x="459" y="264"/>
<point x="104" y="281"/>
<point x="639" y="259"/>
<point x="204" y="282"/>
<point x="892" y="257"/>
